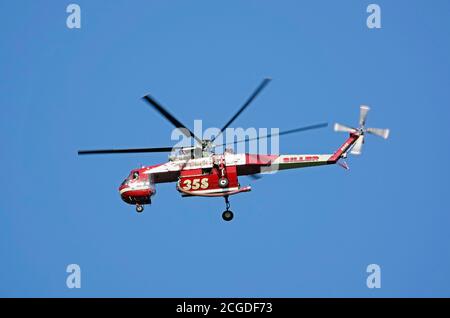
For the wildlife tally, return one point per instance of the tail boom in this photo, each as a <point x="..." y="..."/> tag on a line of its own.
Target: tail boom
<point x="344" y="148"/>
<point x="295" y="161"/>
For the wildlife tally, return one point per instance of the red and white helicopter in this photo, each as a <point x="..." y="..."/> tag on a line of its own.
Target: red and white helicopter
<point x="199" y="171"/>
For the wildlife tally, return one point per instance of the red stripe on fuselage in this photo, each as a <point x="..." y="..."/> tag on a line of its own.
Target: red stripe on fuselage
<point x="345" y="146"/>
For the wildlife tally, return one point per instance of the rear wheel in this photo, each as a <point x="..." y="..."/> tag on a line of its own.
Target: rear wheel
<point x="227" y="215"/>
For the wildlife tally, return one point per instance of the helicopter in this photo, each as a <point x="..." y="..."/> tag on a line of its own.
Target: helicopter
<point x="199" y="171"/>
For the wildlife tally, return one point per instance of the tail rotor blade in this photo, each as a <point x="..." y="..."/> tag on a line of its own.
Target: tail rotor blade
<point x="363" y="110"/>
<point x="383" y="133"/>
<point x="343" y="128"/>
<point x="357" y="148"/>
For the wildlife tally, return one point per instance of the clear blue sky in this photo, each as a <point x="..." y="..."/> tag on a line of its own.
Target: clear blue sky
<point x="308" y="232"/>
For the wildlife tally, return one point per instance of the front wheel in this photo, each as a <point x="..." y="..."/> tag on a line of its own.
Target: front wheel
<point x="139" y="208"/>
<point x="227" y="215"/>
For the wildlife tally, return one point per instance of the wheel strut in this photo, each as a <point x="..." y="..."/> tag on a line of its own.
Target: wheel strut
<point x="227" y="202"/>
<point x="227" y="215"/>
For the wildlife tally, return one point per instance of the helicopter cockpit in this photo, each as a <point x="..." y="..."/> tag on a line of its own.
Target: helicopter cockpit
<point x="133" y="176"/>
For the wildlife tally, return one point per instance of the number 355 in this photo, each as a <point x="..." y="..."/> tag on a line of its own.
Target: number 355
<point x="195" y="184"/>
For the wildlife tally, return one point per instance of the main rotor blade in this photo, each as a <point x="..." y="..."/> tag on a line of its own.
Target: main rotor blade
<point x="286" y="132"/>
<point x="246" y="104"/>
<point x="171" y="118"/>
<point x="131" y="150"/>
<point x="363" y="110"/>
<point x="383" y="133"/>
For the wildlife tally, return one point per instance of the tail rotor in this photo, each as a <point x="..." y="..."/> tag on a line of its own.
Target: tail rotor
<point x="361" y="130"/>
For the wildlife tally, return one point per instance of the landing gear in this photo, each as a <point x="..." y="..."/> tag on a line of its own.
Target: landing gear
<point x="227" y="215"/>
<point x="139" y="208"/>
<point x="223" y="182"/>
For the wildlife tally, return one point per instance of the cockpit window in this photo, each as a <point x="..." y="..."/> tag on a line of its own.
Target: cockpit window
<point x="135" y="175"/>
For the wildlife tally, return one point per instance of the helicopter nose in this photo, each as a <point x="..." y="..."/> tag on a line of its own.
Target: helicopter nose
<point x="124" y="193"/>
<point x="135" y="196"/>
